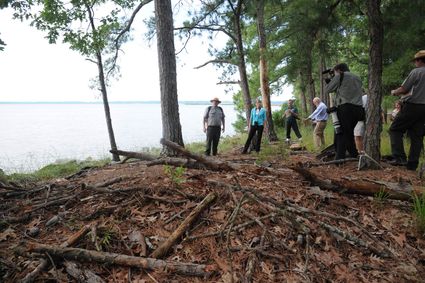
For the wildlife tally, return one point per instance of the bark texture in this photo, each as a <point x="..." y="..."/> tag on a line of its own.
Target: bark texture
<point x="123" y="260"/>
<point x="171" y="127"/>
<point x="264" y="73"/>
<point x="373" y="114"/>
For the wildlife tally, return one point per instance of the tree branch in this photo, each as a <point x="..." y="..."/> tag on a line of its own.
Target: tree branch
<point x="215" y="61"/>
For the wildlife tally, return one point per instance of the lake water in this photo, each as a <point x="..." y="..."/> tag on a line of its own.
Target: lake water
<point x="33" y="135"/>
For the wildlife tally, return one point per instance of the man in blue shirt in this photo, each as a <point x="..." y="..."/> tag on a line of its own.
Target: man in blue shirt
<point x="319" y="117"/>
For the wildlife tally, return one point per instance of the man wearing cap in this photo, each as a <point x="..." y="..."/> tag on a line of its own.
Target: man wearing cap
<point x="411" y="117"/>
<point x="213" y="120"/>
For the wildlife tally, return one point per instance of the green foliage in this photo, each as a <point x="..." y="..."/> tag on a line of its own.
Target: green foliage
<point x="279" y="117"/>
<point x="381" y="196"/>
<point x="57" y="170"/>
<point x="419" y="212"/>
<point x="175" y="173"/>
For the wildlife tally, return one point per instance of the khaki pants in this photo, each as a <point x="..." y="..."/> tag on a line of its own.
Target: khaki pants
<point x="318" y="136"/>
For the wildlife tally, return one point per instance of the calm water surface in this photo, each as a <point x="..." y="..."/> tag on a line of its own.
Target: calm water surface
<point x="33" y="135"/>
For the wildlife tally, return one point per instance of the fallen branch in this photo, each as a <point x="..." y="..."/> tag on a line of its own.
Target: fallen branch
<point x="177" y="162"/>
<point x="209" y="163"/>
<point x="82" y="275"/>
<point x="136" y="155"/>
<point x="353" y="239"/>
<point x="361" y="187"/>
<point x="339" y="161"/>
<point x="30" y="277"/>
<point x="122" y="260"/>
<point x="176" y="235"/>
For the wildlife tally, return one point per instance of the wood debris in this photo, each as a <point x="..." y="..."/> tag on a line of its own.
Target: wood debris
<point x="225" y="220"/>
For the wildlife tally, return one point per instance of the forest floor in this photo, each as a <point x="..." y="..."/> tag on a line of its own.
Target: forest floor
<point x="266" y="224"/>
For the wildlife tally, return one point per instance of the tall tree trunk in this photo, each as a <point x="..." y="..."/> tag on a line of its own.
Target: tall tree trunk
<point x="171" y="128"/>
<point x="373" y="115"/>
<point x="102" y="82"/>
<point x="322" y="67"/>
<point x="311" y="92"/>
<point x="241" y="61"/>
<point x="302" y="93"/>
<point x="264" y="76"/>
<point x="115" y="157"/>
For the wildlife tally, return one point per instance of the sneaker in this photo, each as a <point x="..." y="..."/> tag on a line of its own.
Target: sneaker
<point x="287" y="140"/>
<point x="300" y="139"/>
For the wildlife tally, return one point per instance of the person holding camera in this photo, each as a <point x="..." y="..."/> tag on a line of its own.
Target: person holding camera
<point x="256" y="125"/>
<point x="411" y="117"/>
<point x="348" y="107"/>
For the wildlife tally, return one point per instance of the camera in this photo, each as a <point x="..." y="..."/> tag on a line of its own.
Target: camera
<point x="330" y="73"/>
<point x="335" y="121"/>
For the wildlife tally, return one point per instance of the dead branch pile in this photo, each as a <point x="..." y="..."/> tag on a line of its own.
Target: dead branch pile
<point x="233" y="223"/>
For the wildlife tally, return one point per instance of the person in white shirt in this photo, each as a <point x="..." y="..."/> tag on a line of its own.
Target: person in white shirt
<point x="319" y="117"/>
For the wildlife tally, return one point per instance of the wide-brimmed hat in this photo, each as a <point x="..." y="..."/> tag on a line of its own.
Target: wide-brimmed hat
<point x="420" y="54"/>
<point x="215" y="99"/>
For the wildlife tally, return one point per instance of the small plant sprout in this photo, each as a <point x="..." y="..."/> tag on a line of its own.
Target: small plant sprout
<point x="382" y="195"/>
<point x="175" y="174"/>
<point x="419" y="211"/>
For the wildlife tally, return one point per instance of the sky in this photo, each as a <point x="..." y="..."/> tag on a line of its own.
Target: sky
<point x="32" y="70"/>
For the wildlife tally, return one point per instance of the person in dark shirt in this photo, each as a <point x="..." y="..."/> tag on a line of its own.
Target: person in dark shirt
<point x="291" y="115"/>
<point x="411" y="117"/>
<point x="212" y="122"/>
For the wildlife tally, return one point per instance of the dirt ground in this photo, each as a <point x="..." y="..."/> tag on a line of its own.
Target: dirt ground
<point x="267" y="224"/>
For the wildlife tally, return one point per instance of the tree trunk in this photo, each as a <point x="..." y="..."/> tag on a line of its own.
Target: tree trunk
<point x="309" y="82"/>
<point x="322" y="67"/>
<point x="103" y="90"/>
<point x="115" y="157"/>
<point x="302" y="93"/>
<point x="264" y="76"/>
<point x="373" y="116"/>
<point x="171" y="128"/>
<point x="241" y="61"/>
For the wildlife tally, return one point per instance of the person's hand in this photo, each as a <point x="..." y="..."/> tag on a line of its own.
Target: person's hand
<point x="393" y="92"/>
<point x="222" y="130"/>
<point x="205" y="130"/>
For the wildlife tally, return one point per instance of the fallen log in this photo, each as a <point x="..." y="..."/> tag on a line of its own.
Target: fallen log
<point x="77" y="254"/>
<point x="361" y="187"/>
<point x="82" y="275"/>
<point x="176" y="235"/>
<point x="44" y="262"/>
<point x="132" y="154"/>
<point x="177" y="162"/>
<point x="209" y="163"/>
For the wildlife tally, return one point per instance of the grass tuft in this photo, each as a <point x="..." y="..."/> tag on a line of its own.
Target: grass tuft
<point x="52" y="171"/>
<point x="419" y="212"/>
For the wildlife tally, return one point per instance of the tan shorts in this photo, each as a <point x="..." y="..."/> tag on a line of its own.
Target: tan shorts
<point x="359" y="130"/>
